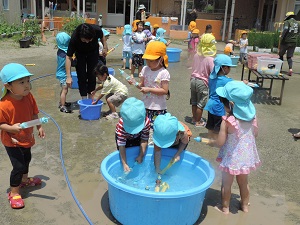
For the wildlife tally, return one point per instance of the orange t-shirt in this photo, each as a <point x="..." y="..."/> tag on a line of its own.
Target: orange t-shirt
<point x="14" y="111"/>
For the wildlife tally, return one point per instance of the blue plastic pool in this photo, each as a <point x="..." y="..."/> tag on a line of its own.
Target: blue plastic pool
<point x="132" y="204"/>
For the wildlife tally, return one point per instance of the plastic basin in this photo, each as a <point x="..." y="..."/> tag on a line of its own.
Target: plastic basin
<point x="174" y="54"/>
<point x="89" y="111"/>
<point x="134" y="206"/>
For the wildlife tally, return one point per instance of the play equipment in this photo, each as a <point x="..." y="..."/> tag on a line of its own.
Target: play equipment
<point x="201" y="139"/>
<point x="35" y="122"/>
<point x="74" y="80"/>
<point x="173" y="54"/>
<point x="136" y="205"/>
<point x="127" y="77"/>
<point x="112" y="49"/>
<point x="88" y="111"/>
<point x="168" y="166"/>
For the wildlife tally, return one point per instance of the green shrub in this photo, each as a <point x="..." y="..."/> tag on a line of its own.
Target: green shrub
<point x="70" y="24"/>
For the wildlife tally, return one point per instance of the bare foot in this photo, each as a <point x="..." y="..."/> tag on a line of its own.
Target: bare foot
<point x="123" y="68"/>
<point x="297" y="135"/>
<point x="222" y="209"/>
<point x="244" y="207"/>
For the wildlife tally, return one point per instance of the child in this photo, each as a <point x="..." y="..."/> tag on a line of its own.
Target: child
<point x="169" y="132"/>
<point x="147" y="31"/>
<point x="155" y="27"/>
<point x="101" y="58"/>
<point x="132" y="129"/>
<point x="243" y="43"/>
<point x="100" y="20"/>
<point x="238" y="154"/>
<point x="229" y="47"/>
<point x="193" y="43"/>
<point x="18" y="105"/>
<point x="62" y="40"/>
<point x="127" y="54"/>
<point x="154" y="80"/>
<point x="192" y="26"/>
<point x="208" y="30"/>
<point x="160" y="36"/>
<point x="217" y="78"/>
<point x="138" y="48"/>
<point x="115" y="91"/>
<point x="203" y="64"/>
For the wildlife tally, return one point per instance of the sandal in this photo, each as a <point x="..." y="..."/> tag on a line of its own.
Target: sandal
<point x="297" y="135"/>
<point x="31" y="182"/>
<point x="16" y="201"/>
<point x="65" y="109"/>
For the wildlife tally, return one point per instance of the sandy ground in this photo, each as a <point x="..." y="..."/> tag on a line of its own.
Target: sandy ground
<point x="275" y="195"/>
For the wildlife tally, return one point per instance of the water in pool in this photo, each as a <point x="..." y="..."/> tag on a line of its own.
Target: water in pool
<point x="180" y="177"/>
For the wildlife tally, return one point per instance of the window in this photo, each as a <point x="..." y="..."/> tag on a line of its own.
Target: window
<point x="5" y="4"/>
<point x="116" y="6"/>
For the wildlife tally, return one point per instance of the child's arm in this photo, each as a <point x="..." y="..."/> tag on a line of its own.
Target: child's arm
<point x="39" y="128"/>
<point x="96" y="101"/>
<point x="122" y="152"/>
<point x="221" y="137"/>
<point x="14" y="129"/>
<point x="158" y="91"/>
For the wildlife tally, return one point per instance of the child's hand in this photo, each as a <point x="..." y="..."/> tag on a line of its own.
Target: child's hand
<point x="139" y="159"/>
<point x="93" y="93"/>
<point x="15" y="128"/>
<point x="145" y="90"/>
<point x="94" y="102"/>
<point x="126" y="168"/>
<point x="69" y="81"/>
<point x="41" y="132"/>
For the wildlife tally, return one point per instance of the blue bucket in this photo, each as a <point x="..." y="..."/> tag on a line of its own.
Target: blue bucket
<point x="135" y="206"/>
<point x="111" y="71"/>
<point x="75" y="80"/>
<point x="234" y="60"/>
<point x="89" y="111"/>
<point x="174" y="54"/>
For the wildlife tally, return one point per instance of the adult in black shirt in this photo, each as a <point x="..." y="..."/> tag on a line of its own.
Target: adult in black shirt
<point x="140" y="14"/>
<point x="84" y="44"/>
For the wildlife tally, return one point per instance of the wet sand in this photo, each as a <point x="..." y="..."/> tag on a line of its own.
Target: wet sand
<point x="274" y="187"/>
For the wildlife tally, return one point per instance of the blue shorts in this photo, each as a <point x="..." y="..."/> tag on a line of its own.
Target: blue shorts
<point x="127" y="54"/>
<point x="62" y="81"/>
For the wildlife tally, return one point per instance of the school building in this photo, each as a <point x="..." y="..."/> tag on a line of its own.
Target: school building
<point x="248" y="14"/>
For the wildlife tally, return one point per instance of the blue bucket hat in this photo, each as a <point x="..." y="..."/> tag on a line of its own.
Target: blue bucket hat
<point x="240" y="94"/>
<point x="105" y="32"/>
<point x="219" y="61"/>
<point x="147" y="24"/>
<point x="160" y="33"/>
<point x="63" y="40"/>
<point x="165" y="129"/>
<point x="12" y="72"/>
<point x="127" y="29"/>
<point x="133" y="113"/>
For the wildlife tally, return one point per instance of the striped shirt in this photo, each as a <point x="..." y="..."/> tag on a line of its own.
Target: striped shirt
<point x="122" y="135"/>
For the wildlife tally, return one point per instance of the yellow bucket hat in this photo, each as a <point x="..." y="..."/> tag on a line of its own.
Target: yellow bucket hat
<point x="156" y="49"/>
<point x="289" y="15"/>
<point x="192" y="25"/>
<point x="195" y="31"/>
<point x="134" y="25"/>
<point x="207" y="45"/>
<point x="156" y="26"/>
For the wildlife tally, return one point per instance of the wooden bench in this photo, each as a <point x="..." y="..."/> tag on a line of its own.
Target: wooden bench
<point x="260" y="78"/>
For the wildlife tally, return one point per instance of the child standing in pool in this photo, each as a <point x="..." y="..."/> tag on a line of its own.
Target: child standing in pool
<point x="238" y="154"/>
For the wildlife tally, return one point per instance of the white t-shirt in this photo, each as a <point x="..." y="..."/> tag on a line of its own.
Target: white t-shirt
<point x="138" y="48"/>
<point x="114" y="86"/>
<point x="242" y="43"/>
<point x="153" y="79"/>
<point x="127" y="43"/>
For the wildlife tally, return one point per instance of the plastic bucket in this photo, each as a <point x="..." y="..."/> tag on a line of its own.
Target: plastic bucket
<point x="134" y="206"/>
<point x="174" y="54"/>
<point x="111" y="71"/>
<point x="75" y="80"/>
<point x="89" y="111"/>
<point x="234" y="60"/>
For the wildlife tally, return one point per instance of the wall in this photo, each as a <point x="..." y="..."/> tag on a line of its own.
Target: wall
<point x="246" y="11"/>
<point x="284" y="6"/>
<point x="13" y="15"/>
